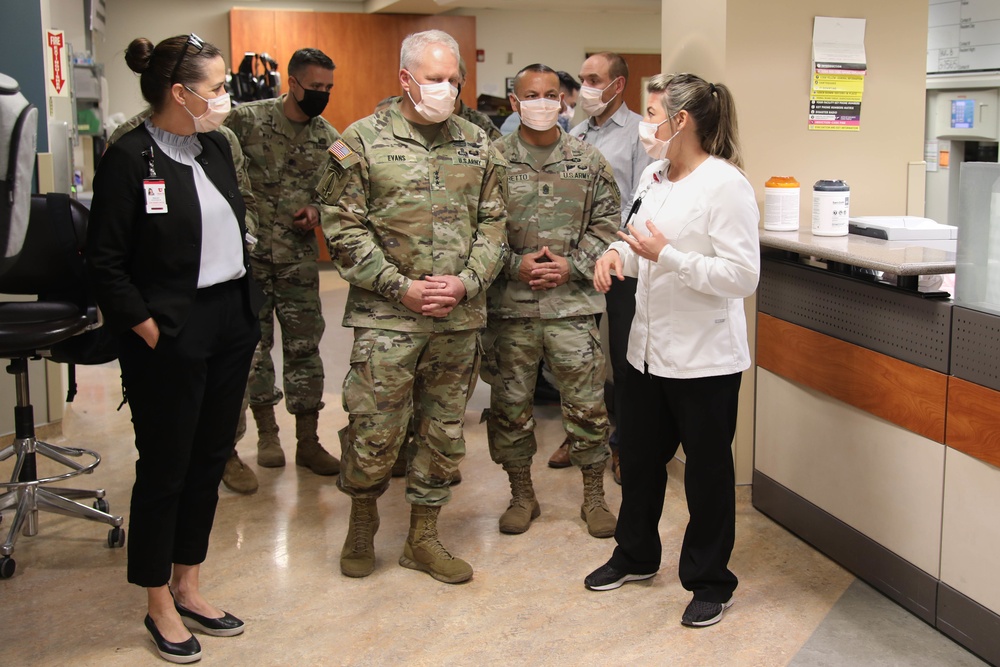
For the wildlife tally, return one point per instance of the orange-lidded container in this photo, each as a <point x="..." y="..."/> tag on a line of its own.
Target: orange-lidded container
<point x="781" y="204"/>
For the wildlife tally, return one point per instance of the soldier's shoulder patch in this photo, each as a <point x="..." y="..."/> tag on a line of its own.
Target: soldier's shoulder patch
<point x="340" y="150"/>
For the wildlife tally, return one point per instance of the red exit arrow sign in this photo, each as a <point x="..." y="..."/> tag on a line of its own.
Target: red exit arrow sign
<point x="56" y="43"/>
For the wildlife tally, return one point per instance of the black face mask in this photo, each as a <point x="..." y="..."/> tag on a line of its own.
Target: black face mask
<point x="313" y="102"/>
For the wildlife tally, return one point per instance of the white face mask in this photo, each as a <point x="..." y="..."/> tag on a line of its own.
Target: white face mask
<point x="437" y="100"/>
<point x="218" y="109"/>
<point x="655" y="148"/>
<point x="590" y="98"/>
<point x="540" y="114"/>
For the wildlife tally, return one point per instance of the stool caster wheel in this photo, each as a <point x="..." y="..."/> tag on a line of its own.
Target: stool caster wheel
<point x="101" y="505"/>
<point x="7" y="567"/>
<point x="116" y="538"/>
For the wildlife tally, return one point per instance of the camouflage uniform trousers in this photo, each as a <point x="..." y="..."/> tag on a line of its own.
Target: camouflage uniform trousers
<point x="571" y="348"/>
<point x="396" y="376"/>
<point x="291" y="291"/>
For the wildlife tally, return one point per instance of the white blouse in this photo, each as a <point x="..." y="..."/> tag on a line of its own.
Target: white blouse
<point x="221" y="245"/>
<point x="689" y="320"/>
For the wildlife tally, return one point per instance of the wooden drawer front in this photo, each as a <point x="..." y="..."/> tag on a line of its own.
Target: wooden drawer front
<point x="974" y="420"/>
<point x="909" y="396"/>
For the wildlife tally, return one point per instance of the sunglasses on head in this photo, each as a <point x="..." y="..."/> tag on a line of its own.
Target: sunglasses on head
<point x="192" y="41"/>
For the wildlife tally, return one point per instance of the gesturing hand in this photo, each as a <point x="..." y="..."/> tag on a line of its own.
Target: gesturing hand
<point x="606" y="263"/>
<point x="645" y="246"/>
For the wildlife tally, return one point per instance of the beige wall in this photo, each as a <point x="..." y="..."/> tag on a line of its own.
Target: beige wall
<point x="770" y="79"/>
<point x="763" y="51"/>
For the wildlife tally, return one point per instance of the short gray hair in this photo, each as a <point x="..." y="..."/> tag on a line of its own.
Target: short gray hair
<point x="414" y="45"/>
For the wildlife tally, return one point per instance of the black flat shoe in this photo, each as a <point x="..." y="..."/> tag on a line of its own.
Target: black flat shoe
<point x="182" y="653"/>
<point x="227" y="626"/>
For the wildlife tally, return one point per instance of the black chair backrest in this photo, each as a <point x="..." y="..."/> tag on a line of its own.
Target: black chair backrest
<point x="51" y="262"/>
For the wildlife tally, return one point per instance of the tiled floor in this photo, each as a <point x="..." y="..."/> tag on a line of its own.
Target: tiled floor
<point x="273" y="561"/>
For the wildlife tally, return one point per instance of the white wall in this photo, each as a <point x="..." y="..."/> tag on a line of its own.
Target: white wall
<point x="558" y="39"/>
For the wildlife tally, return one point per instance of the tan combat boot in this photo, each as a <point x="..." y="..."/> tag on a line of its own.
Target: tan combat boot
<point x="600" y="521"/>
<point x="308" y="452"/>
<point x="269" y="454"/>
<point x="357" y="558"/>
<point x="523" y="506"/>
<point x="423" y="550"/>
<point x="237" y="476"/>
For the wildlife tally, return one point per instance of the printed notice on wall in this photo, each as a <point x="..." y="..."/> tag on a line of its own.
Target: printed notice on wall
<point x="838" y="74"/>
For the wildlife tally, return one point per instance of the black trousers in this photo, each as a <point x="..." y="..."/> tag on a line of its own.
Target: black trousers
<point x="621" y="311"/>
<point x="185" y="398"/>
<point x="658" y="415"/>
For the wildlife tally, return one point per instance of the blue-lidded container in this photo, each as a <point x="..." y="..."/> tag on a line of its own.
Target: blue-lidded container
<point x="831" y="208"/>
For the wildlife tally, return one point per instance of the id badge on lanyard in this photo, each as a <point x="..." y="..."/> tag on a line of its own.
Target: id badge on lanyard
<point x="154" y="189"/>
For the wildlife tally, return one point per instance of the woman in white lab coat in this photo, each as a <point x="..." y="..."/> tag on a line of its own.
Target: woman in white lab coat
<point x="693" y="246"/>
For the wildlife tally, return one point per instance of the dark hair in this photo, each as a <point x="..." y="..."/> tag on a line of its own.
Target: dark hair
<point x="711" y="106"/>
<point x="536" y="67"/>
<point x="567" y="81"/>
<point x="616" y="65"/>
<point x="174" y="60"/>
<point x="305" y="57"/>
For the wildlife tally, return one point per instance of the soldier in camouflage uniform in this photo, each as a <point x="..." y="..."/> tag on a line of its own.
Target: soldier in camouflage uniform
<point x="236" y="476"/>
<point x="285" y="142"/>
<point x="474" y="116"/>
<point x="419" y="234"/>
<point x="563" y="210"/>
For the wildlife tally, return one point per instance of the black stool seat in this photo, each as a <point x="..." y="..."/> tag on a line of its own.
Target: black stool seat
<point x="27" y="326"/>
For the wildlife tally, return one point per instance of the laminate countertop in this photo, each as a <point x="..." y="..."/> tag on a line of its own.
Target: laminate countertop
<point x="903" y="258"/>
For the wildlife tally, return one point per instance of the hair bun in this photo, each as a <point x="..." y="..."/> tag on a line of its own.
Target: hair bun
<point x="138" y="54"/>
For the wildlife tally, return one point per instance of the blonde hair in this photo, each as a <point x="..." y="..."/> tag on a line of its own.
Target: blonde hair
<point x="710" y="105"/>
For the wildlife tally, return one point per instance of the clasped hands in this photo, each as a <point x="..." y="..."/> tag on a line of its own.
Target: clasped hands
<point x="306" y="218"/>
<point x="434" y="296"/>
<point x="644" y="246"/>
<point x="543" y="269"/>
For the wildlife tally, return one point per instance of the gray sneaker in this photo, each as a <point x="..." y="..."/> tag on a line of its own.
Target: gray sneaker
<point x="607" y="578"/>
<point x="700" y="614"/>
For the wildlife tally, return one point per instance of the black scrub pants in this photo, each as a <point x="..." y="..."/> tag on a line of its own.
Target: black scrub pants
<point x="621" y="311"/>
<point x="659" y="414"/>
<point x="185" y="397"/>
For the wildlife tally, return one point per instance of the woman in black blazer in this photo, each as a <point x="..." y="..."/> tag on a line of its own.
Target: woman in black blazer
<point x="167" y="258"/>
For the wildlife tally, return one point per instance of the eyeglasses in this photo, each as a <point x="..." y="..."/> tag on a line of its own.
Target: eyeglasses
<point x="193" y="40"/>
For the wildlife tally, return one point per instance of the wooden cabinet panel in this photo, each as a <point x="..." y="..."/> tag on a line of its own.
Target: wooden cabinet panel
<point x="250" y="30"/>
<point x="974" y="420"/>
<point x="365" y="48"/>
<point x="899" y="392"/>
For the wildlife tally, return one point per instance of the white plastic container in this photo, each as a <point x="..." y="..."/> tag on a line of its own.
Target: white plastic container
<point x="781" y="204"/>
<point x="831" y="208"/>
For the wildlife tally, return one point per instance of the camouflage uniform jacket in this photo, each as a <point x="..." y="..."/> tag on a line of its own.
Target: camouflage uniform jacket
<point x="570" y="204"/>
<point x="238" y="161"/>
<point x="284" y="163"/>
<point x="405" y="210"/>
<point x="479" y="119"/>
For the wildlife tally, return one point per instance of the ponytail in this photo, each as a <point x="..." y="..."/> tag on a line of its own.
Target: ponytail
<point x="710" y="105"/>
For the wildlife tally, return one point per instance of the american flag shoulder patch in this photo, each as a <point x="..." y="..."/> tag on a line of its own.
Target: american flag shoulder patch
<point x="340" y="150"/>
